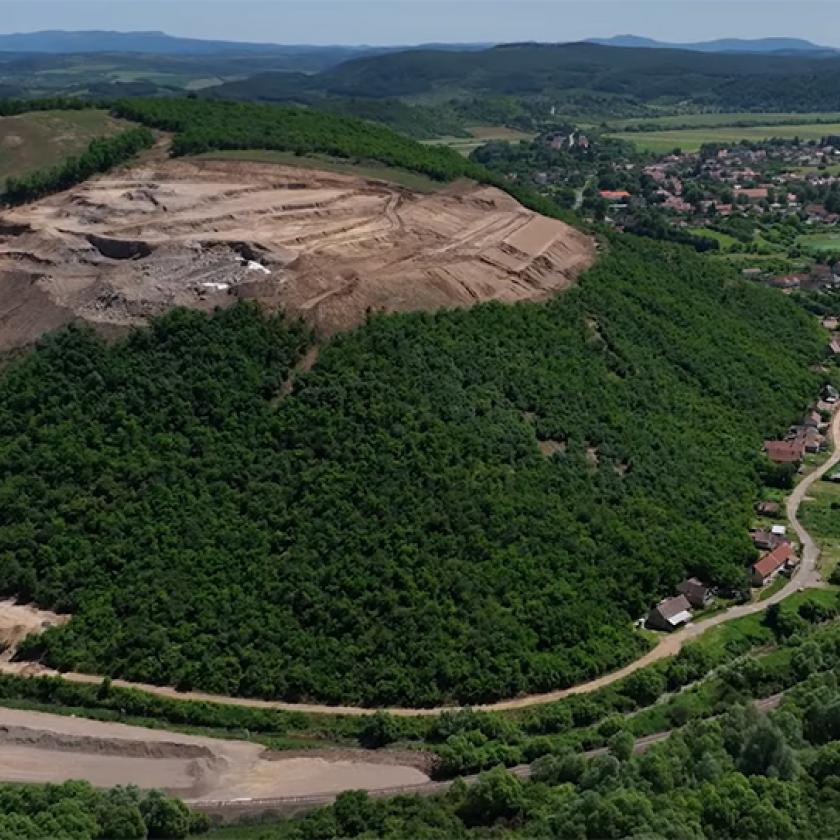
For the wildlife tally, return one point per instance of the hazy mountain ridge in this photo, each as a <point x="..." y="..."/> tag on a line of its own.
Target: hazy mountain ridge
<point x="773" y="46"/>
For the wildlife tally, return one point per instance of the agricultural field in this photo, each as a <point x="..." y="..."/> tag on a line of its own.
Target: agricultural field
<point x="820" y="514"/>
<point x="727" y="118"/>
<point x="723" y="239"/>
<point x="44" y="138"/>
<point x="692" y="139"/>
<point x="820" y="242"/>
<point x="481" y="134"/>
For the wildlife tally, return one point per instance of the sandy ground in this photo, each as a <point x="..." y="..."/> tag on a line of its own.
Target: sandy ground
<point x="36" y="747"/>
<point x="330" y="247"/>
<point x="16" y="622"/>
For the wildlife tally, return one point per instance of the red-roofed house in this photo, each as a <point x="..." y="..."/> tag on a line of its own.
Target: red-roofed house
<point x="753" y="193"/>
<point x="784" y="451"/>
<point x="615" y="195"/>
<point x="781" y="558"/>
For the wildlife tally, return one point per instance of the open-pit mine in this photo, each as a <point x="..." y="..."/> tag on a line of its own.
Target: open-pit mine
<point x="329" y="247"/>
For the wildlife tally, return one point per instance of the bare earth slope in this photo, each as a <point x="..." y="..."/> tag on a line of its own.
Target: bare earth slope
<point x="36" y="747"/>
<point x="328" y="246"/>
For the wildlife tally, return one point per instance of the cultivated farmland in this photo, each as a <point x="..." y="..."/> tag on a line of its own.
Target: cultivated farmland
<point x="692" y="139"/>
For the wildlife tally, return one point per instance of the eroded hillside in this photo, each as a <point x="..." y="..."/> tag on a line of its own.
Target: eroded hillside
<point x="327" y="246"/>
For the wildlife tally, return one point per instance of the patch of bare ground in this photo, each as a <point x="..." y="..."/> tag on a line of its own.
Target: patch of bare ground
<point x="37" y="747"/>
<point x="551" y="447"/>
<point x="17" y="621"/>
<point x="327" y="246"/>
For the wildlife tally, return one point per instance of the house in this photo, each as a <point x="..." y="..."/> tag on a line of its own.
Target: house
<point x="769" y="509"/>
<point x="765" y="540"/>
<point x="812" y="420"/>
<point x="834" y="345"/>
<point x="830" y="322"/>
<point x="782" y="558"/>
<point x="813" y="441"/>
<point x="788" y="281"/>
<point x="752" y="194"/>
<point x="696" y="592"/>
<point x="830" y="394"/>
<point x="670" y="613"/>
<point x="809" y="436"/>
<point x="784" y="451"/>
<point x="617" y="198"/>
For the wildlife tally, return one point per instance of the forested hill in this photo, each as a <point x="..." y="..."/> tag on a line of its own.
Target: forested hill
<point x="734" y="81"/>
<point x="450" y="507"/>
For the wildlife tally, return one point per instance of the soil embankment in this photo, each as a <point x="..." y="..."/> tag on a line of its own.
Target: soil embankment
<point x="330" y="247"/>
<point x="36" y="747"/>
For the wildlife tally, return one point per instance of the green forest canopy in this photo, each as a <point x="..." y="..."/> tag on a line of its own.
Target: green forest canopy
<point x="391" y="532"/>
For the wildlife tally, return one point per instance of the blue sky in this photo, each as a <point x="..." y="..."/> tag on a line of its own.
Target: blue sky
<point x="417" y="21"/>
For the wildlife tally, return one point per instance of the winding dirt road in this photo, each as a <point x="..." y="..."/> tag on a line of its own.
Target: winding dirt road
<point x="807" y="577"/>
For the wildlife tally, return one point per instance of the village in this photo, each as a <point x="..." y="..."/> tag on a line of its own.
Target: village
<point x="778" y="558"/>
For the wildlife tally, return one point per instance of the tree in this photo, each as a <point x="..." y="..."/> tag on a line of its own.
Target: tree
<point x="379" y="730"/>
<point x="496" y="795"/>
<point x="621" y="745"/>
<point x="165" y="818"/>
<point x="765" y="752"/>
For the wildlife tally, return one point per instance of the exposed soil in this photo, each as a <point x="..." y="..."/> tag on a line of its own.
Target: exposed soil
<point x="17" y="621"/>
<point x="327" y="246"/>
<point x="36" y="747"/>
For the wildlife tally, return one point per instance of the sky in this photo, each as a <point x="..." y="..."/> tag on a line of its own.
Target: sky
<point x="423" y="21"/>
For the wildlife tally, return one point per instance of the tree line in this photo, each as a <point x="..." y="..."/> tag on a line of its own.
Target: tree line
<point x="77" y="811"/>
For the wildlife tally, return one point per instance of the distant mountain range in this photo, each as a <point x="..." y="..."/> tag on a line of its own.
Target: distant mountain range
<point x="771" y="46"/>
<point x="159" y="43"/>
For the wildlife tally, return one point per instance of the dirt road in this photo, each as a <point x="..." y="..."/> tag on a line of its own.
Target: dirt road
<point x="807" y="577"/>
<point x="36" y="747"/>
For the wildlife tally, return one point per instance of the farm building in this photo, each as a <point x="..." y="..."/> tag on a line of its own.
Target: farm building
<point x="780" y="559"/>
<point x="670" y="613"/>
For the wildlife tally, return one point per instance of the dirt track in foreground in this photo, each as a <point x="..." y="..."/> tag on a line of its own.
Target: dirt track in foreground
<point x="330" y="247"/>
<point x="36" y="747"/>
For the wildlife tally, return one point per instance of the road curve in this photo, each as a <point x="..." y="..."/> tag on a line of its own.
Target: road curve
<point x="807" y="577"/>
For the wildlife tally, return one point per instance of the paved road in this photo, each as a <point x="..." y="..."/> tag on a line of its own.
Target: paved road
<point x="807" y="577"/>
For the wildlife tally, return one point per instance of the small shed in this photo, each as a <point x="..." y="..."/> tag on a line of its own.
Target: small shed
<point x="670" y="613"/>
<point x="768" y="509"/>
